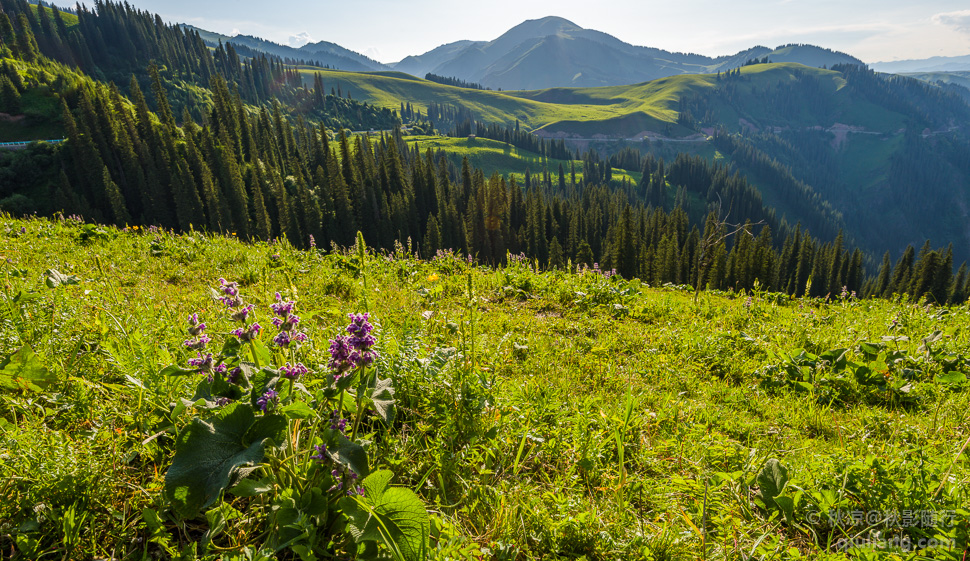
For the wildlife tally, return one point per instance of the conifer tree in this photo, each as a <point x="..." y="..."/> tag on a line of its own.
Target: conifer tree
<point x="9" y="97"/>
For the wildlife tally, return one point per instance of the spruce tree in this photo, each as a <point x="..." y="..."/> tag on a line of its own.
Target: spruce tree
<point x="9" y="97"/>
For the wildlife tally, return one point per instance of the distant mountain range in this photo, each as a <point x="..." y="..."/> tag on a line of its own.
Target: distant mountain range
<point x="323" y="53"/>
<point x="934" y="64"/>
<point x="542" y="53"/>
<point x="555" y="52"/>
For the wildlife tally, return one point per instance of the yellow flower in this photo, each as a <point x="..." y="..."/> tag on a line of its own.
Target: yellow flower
<point x="432" y="277"/>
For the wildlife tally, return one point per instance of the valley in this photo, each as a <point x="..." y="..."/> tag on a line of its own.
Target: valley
<point x="546" y="296"/>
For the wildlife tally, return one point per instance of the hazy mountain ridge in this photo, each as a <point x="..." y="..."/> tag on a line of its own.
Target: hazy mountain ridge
<point x="555" y="52"/>
<point x="932" y="64"/>
<point x="323" y="53"/>
<point x="542" y="53"/>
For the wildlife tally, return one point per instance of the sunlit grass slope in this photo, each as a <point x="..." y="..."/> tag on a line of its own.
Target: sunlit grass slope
<point x="624" y="111"/>
<point x="541" y="415"/>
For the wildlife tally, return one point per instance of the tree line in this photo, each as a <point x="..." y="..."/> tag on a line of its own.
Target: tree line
<point x="262" y="175"/>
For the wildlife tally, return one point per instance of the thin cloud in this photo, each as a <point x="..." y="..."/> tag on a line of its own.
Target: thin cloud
<point x="959" y="20"/>
<point x="299" y="40"/>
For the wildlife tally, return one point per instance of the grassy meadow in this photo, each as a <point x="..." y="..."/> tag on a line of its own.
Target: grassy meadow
<point x="492" y="156"/>
<point x="624" y="111"/>
<point x="539" y="415"/>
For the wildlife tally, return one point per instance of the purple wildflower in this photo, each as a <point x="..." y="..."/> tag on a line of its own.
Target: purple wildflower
<point x="287" y="323"/>
<point x="337" y="423"/>
<point x="198" y="343"/>
<point x="321" y="455"/>
<point x="361" y="340"/>
<point x="243" y="313"/>
<point x="231" y="291"/>
<point x="203" y="362"/>
<point x="359" y="490"/>
<point x="234" y="375"/>
<point x="267" y="400"/>
<point x="313" y="242"/>
<point x="282" y="308"/>
<point x="223" y="401"/>
<point x="248" y="334"/>
<point x="340" y="351"/>
<point x="220" y="369"/>
<point x="293" y="372"/>
<point x="196" y="327"/>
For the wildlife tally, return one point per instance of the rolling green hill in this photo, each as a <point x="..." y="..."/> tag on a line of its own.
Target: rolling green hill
<point x="492" y="156"/>
<point x="625" y="112"/>
<point x="843" y="138"/>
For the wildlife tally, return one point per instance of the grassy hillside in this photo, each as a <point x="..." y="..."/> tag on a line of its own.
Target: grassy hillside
<point x="492" y="156"/>
<point x="539" y="415"/>
<point x="625" y="111"/>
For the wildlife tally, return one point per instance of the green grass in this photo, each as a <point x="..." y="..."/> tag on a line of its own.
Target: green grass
<point x="616" y="111"/>
<point x="492" y="156"/>
<point x="39" y="119"/>
<point x="70" y="20"/>
<point x="548" y="415"/>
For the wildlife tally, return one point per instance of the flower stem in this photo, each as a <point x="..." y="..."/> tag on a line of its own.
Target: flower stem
<point x="252" y="347"/>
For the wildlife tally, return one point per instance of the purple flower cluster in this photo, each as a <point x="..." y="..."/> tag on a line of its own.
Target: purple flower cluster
<point x="340" y="352"/>
<point x="294" y="372"/>
<point x="203" y="362"/>
<point x="199" y="339"/>
<point x="234" y="375"/>
<point x="353" y="490"/>
<point x="284" y="338"/>
<point x="337" y="423"/>
<point x="242" y="314"/>
<point x="354" y="350"/>
<point x="251" y="333"/>
<point x="198" y="343"/>
<point x="230" y="291"/>
<point x="268" y="400"/>
<point x="313" y="242"/>
<point x="321" y="455"/>
<point x="286" y="321"/>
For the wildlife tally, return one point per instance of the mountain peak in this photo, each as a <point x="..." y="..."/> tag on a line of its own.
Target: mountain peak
<point x="542" y="27"/>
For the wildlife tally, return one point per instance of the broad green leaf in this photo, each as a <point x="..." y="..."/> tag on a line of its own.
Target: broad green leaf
<point x="23" y="370"/>
<point x="25" y="297"/>
<point x="251" y="488"/>
<point x="263" y="381"/>
<point x="786" y="505"/>
<point x="393" y="516"/>
<point x="771" y="482"/>
<point x="871" y="350"/>
<point x="952" y="377"/>
<point x="55" y="278"/>
<point x="382" y="396"/>
<point x="209" y="455"/>
<point x="298" y="410"/>
<point x="231" y="347"/>
<point x="351" y="455"/>
<point x="263" y="354"/>
<point x="314" y="502"/>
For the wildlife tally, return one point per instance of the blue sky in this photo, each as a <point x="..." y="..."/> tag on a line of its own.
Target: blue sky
<point x="388" y="30"/>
